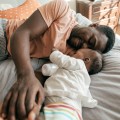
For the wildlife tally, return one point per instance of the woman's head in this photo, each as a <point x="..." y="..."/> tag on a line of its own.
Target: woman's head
<point x="92" y="59"/>
<point x="96" y="37"/>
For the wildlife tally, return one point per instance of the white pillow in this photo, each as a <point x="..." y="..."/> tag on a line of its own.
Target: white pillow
<point x="82" y="20"/>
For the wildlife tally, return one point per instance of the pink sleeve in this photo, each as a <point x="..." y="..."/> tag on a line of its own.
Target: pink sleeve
<point x="54" y="10"/>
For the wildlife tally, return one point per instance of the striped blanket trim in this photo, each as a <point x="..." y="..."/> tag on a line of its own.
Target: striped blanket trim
<point x="62" y="111"/>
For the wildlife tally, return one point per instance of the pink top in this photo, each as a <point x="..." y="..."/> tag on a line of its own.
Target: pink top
<point x="60" y="21"/>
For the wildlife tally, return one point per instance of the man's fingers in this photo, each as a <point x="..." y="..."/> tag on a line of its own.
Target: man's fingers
<point x="30" y="99"/>
<point x="31" y="116"/>
<point x="36" y="109"/>
<point x="21" y="111"/>
<point x="38" y="118"/>
<point x="5" y="104"/>
<point x="34" y="114"/>
<point x="40" y="98"/>
<point x="12" y="105"/>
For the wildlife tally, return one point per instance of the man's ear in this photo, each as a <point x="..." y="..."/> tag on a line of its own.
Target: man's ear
<point x="86" y="60"/>
<point x="93" y="25"/>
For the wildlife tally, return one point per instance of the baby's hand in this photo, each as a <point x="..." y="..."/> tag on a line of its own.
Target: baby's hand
<point x="34" y="113"/>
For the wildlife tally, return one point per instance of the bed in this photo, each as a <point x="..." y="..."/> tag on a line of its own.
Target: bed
<point x="105" y="86"/>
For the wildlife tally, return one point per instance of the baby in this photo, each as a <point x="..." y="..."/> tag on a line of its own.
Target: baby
<point x="67" y="88"/>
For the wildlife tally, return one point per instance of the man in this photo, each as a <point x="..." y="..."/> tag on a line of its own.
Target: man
<point x="51" y="26"/>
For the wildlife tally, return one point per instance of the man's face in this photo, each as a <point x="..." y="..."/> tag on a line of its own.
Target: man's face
<point x="89" y="37"/>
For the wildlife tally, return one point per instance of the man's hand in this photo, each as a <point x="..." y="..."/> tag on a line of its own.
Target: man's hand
<point x="34" y="113"/>
<point x="22" y="97"/>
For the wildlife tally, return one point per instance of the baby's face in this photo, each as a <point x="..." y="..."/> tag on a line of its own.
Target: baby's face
<point x="84" y="53"/>
<point x="88" y="56"/>
<point x="87" y="53"/>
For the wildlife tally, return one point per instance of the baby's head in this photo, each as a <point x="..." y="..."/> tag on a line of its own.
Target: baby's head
<point x="92" y="59"/>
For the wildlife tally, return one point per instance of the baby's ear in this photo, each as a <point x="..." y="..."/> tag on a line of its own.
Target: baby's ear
<point x="86" y="60"/>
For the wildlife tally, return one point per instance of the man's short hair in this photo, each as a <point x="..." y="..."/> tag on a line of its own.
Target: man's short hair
<point x="110" y="35"/>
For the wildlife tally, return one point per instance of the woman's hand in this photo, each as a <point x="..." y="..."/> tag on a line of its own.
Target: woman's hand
<point x="22" y="97"/>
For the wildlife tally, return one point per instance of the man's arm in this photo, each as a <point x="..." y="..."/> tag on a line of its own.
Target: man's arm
<point x="27" y="90"/>
<point x="20" y="41"/>
<point x="22" y="96"/>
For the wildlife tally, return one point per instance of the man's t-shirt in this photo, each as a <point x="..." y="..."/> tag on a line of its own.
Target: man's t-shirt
<point x="60" y="21"/>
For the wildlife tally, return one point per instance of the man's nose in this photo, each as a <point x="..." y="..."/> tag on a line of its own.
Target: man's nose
<point x="85" y="45"/>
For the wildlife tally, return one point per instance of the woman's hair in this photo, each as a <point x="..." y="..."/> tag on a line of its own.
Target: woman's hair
<point x="109" y="34"/>
<point x="96" y="64"/>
